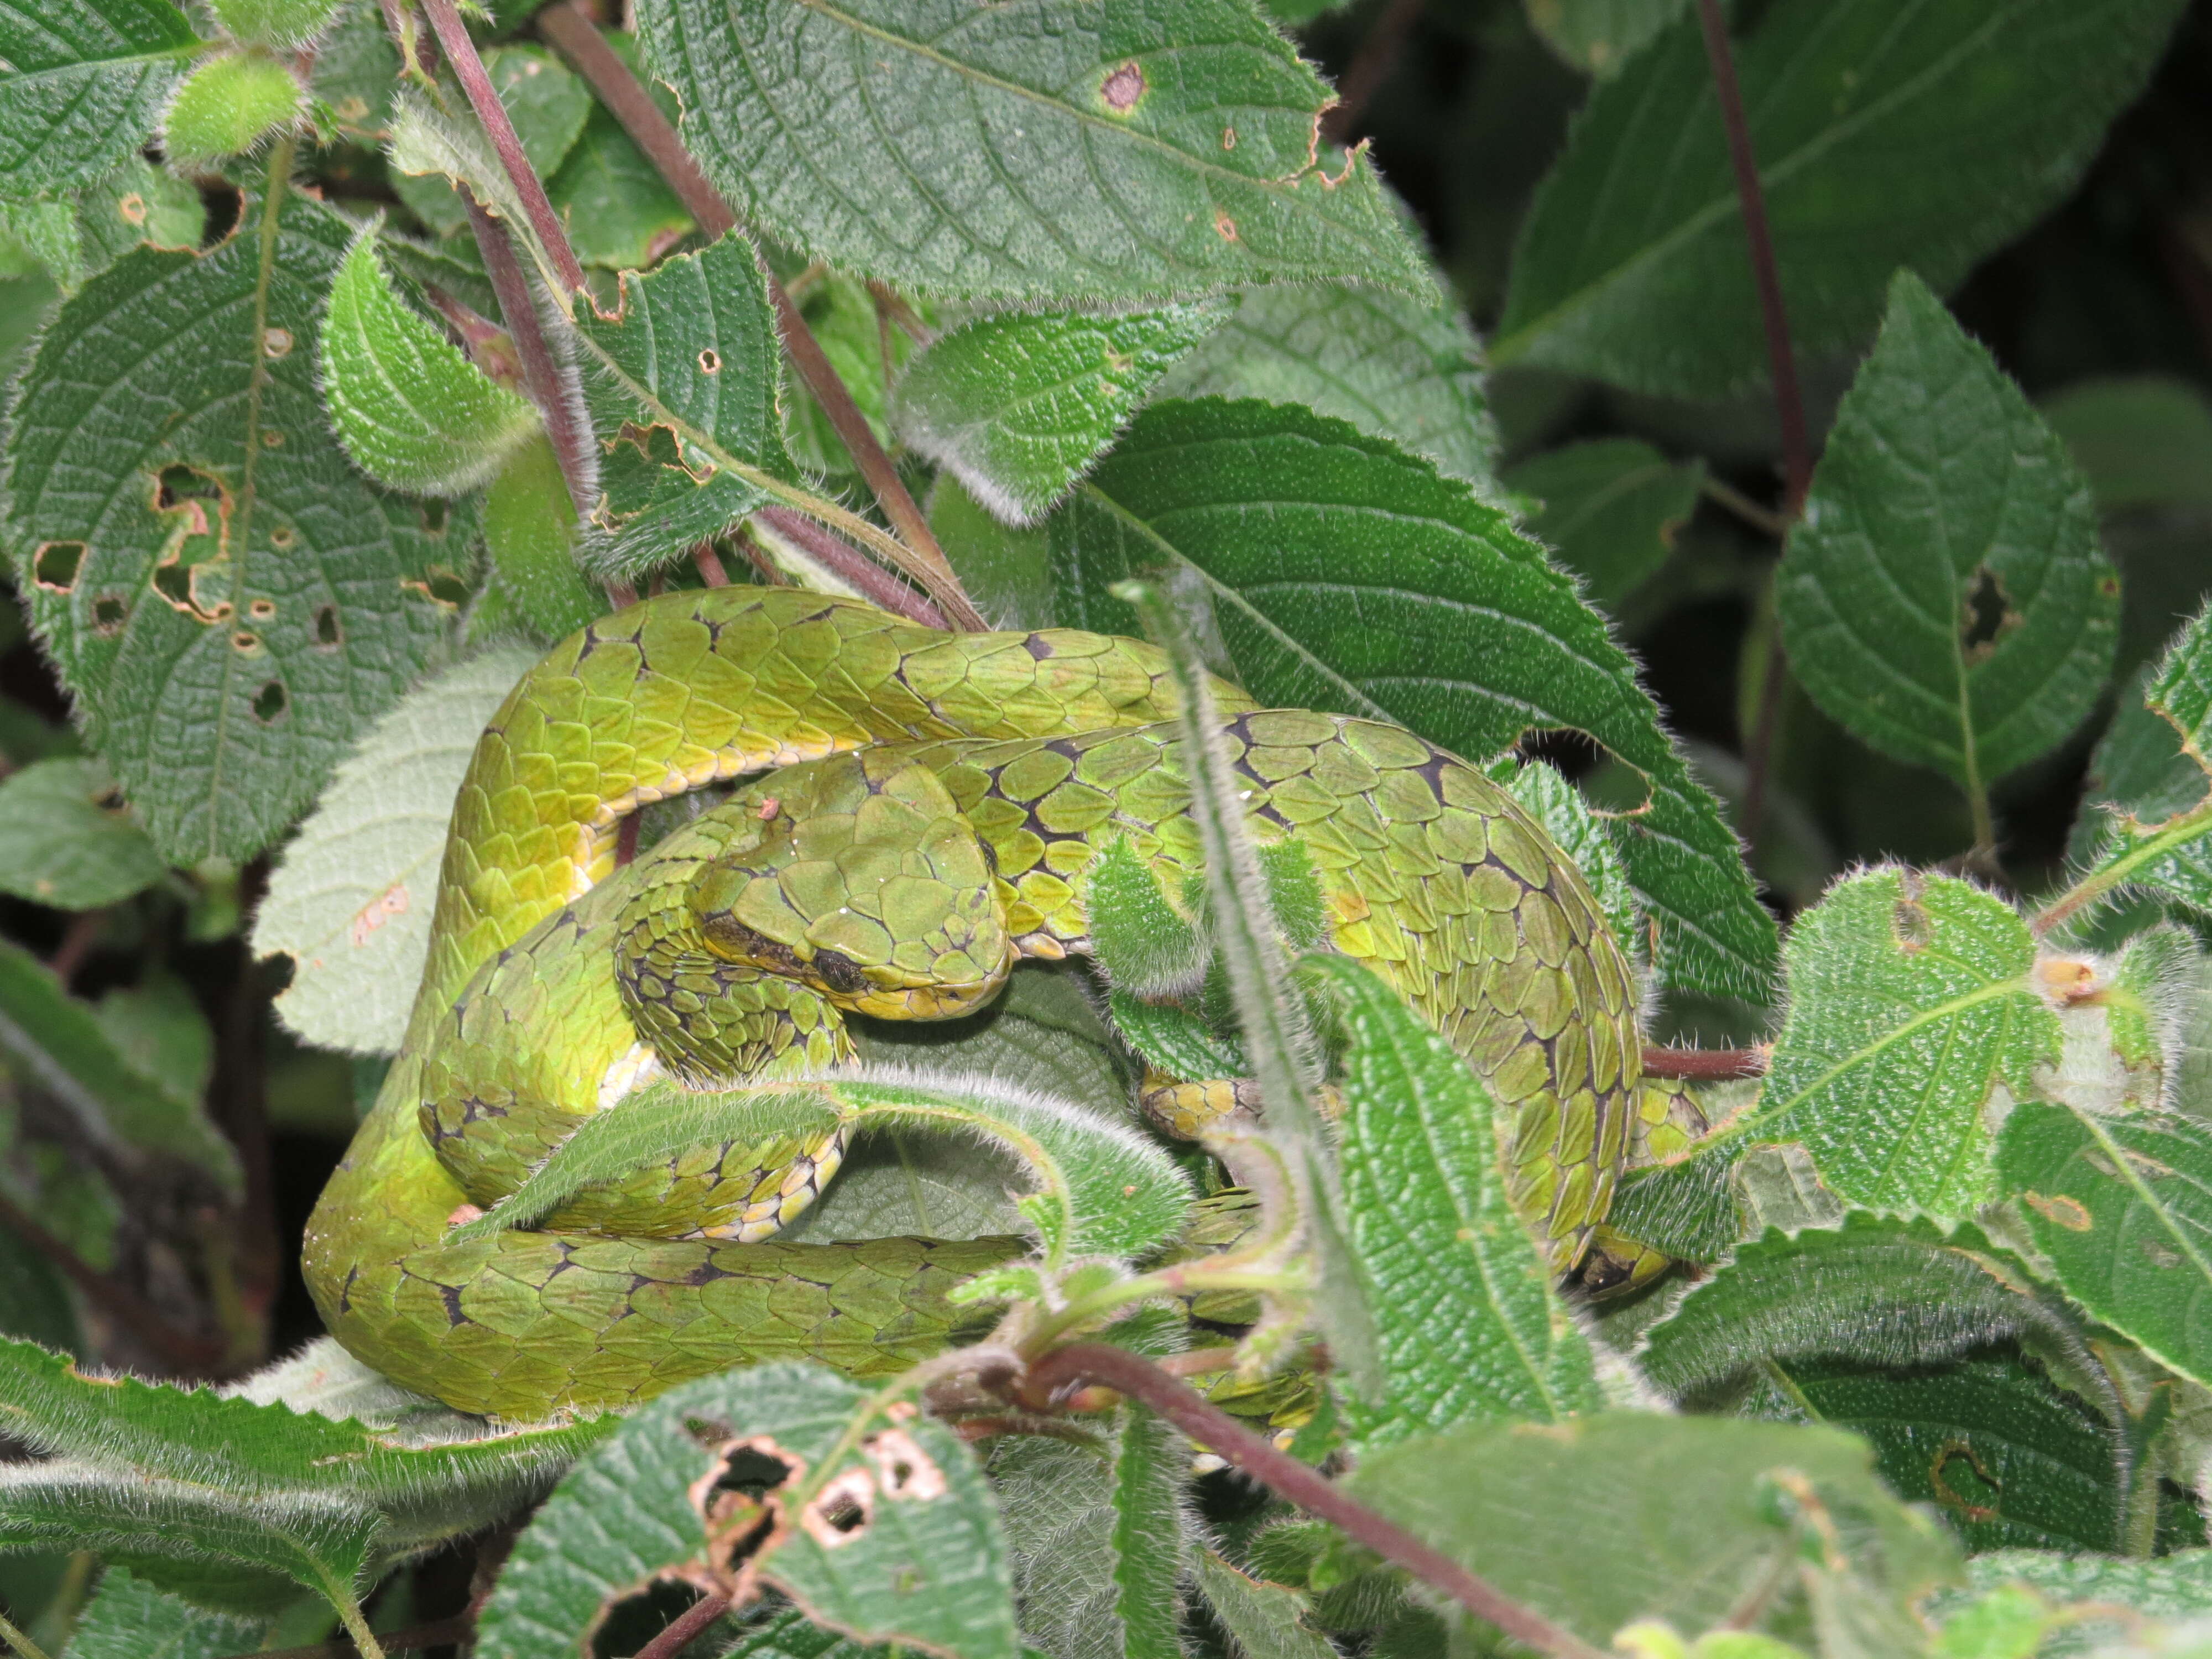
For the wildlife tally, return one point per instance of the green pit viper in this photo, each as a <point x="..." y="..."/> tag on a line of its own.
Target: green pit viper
<point x="931" y="804"/>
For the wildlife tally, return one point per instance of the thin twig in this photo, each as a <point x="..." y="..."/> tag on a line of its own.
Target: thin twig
<point x="1707" y="1064"/>
<point x="459" y="1628"/>
<point x="1136" y="1376"/>
<point x="1763" y="519"/>
<point x="694" y="1619"/>
<point x="78" y="941"/>
<point x="21" y="1643"/>
<point x="181" y="1350"/>
<point x="1782" y="362"/>
<point x="483" y="98"/>
<point x="875" y="584"/>
<point x="569" y="27"/>
<point x="710" y="565"/>
<point x="1370" y="68"/>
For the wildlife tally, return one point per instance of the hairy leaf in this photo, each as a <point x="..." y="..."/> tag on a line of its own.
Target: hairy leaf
<point x="2088" y="1599"/>
<point x="82" y="86"/>
<point x="1609" y="508"/>
<point x="1624" y="1516"/>
<point x="2122" y="1207"/>
<point x="67" y="841"/>
<point x="1397" y="366"/>
<point x="1345" y="574"/>
<point x="97" y="224"/>
<point x="1263" y="1620"/>
<point x="883" y="1526"/>
<point x="410" y="408"/>
<point x="1019" y="404"/>
<point x="1945" y="597"/>
<point x="229" y="601"/>
<point x="549" y="103"/>
<point x="1046" y="148"/>
<point x="1429" y="1219"/>
<point x="1910" y="1005"/>
<point x="529" y="531"/>
<point x="1925" y="134"/>
<point x="351" y="903"/>
<point x="129" y="1618"/>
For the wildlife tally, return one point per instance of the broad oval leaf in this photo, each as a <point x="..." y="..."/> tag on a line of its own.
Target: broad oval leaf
<point x="410" y="408"/>
<point x="1609" y="508"/>
<point x="1945" y="597"/>
<point x="1346" y="574"/>
<point x="83" y="86"/>
<point x="66" y="841"/>
<point x="1923" y="134"/>
<point x="1045" y="148"/>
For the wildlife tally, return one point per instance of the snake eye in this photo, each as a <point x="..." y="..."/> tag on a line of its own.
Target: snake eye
<point x="839" y="971"/>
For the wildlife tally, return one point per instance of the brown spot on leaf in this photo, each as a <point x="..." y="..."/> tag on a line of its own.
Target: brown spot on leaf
<point x="277" y="342"/>
<point x="392" y="902"/>
<point x="841" y="1510"/>
<point x="2160" y="1255"/>
<point x="132" y="208"/>
<point x="245" y="643"/>
<point x="262" y="609"/>
<point x="1122" y="87"/>
<point x="1229" y="137"/>
<point x="903" y="1468"/>
<point x="1225" y="225"/>
<point x="2060" y="1211"/>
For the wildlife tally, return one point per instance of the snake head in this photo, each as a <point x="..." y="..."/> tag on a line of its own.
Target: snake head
<point x="867" y="884"/>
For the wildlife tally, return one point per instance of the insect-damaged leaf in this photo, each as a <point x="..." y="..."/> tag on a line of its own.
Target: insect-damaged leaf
<point x="83" y="86"/>
<point x="1046" y="148"/>
<point x="871" y="1517"/>
<point x="226" y="598"/>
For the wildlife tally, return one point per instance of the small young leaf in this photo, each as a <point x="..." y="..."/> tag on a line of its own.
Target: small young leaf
<point x="273" y="22"/>
<point x="529" y="531"/>
<point x="1398" y="367"/>
<point x="1624" y="1516"/>
<point x="227" y="105"/>
<point x="549" y="103"/>
<point x="884" y="1527"/>
<point x="1345" y="574"/>
<point x="1018" y="404"/>
<point x="82" y="87"/>
<point x="350" y="902"/>
<point x="1909" y="1003"/>
<point x="1601" y="35"/>
<point x="1609" y="509"/>
<point x="1176" y="169"/>
<point x="1263" y="1620"/>
<point x="68" y="841"/>
<point x="409" y="406"/>
<point x="1428" y="1217"/>
<point x="1146" y="947"/>
<point x="1928" y="139"/>
<point x="1945" y="597"/>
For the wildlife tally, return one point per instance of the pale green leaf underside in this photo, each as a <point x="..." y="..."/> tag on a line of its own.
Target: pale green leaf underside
<point x="1910" y="1005"/>
<point x="1945" y="597"/>
<point x="350" y="904"/>
<point x="1018" y="404"/>
<point x="412" y="411"/>
<point x="1068" y="149"/>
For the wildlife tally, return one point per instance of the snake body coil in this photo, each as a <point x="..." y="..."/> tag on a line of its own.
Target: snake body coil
<point x="900" y="879"/>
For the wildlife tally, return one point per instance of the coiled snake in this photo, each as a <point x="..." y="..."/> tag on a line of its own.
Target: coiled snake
<point x="935" y="803"/>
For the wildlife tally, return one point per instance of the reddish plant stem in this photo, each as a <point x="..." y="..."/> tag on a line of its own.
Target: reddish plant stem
<point x="1370" y="68"/>
<point x="78" y="941"/>
<point x="1707" y="1064"/>
<point x="461" y="54"/>
<point x="1067" y="1369"/>
<point x="569" y="27"/>
<point x="694" y="1619"/>
<point x="1782" y="362"/>
<point x="458" y="1629"/>
<point x="876" y="584"/>
<point x="710" y="565"/>
<point x="185" y="1352"/>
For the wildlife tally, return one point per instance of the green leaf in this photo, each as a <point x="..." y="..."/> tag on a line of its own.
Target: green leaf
<point x="1018" y="404"/>
<point x="619" y="211"/>
<point x="529" y="531"/>
<point x="227" y="104"/>
<point x="35" y="1298"/>
<point x="2143" y="440"/>
<point x="1146" y="946"/>
<point x="66" y="840"/>
<point x="1348" y="576"/>
<point x="409" y="406"/>
<point x="129" y="1618"/>
<point x="350" y="901"/>
<point x="2123" y="1208"/>
<point x="1911" y="1004"/>
<point x="1108" y="1191"/>
<point x="1006" y="571"/>
<point x="1432" y="1227"/>
<point x="2004" y="1456"/>
<point x="1624" y="1516"/>
<point x="1609" y="509"/>
<point x="549" y="103"/>
<point x="83" y="86"/>
<point x="1895" y="1293"/>
<point x="1601" y="35"/>
<point x="1261" y="1619"/>
<point x="1944" y="596"/>
<point x="918" y="1558"/>
<point x="691" y="357"/>
<point x="235" y="604"/>
<point x="866" y="348"/>
<point x="2080" y="1588"/>
<point x="1180" y="145"/>
<point x="97" y="224"/>
<point x="1401" y="367"/>
<point x="1927" y="137"/>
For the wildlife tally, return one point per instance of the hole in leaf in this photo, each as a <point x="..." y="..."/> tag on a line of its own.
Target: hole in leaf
<point x="282" y="537"/>
<point x="1963" y="1483"/>
<point x="434" y="518"/>
<point x="262" y="609"/>
<point x="173" y="582"/>
<point x="180" y="485"/>
<point x="629" y="1623"/>
<point x="107" y="613"/>
<point x="710" y="361"/>
<point x="841" y="1510"/>
<point x="327" y="626"/>
<point x="55" y="566"/>
<point x="268" y="702"/>
<point x="748" y="1471"/>
<point x="1909" y="921"/>
<point x="245" y="644"/>
<point x="1989" y="615"/>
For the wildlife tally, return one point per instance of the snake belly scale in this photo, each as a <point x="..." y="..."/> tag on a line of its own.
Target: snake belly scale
<point x="933" y="805"/>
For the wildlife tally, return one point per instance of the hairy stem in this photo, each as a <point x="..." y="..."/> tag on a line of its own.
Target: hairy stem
<point x="1067" y="1369"/>
<point x="22" y="1643"/>
<point x="1782" y="362"/>
<point x="876" y="585"/>
<point x="468" y="67"/>
<point x="1708" y="1064"/>
<point x="438" y="1633"/>
<point x="694" y="1619"/>
<point x="571" y="29"/>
